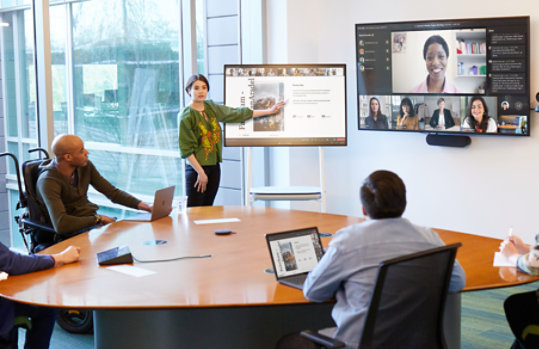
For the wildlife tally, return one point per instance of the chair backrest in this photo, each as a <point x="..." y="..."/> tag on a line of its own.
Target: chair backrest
<point x="408" y="300"/>
<point x="37" y="213"/>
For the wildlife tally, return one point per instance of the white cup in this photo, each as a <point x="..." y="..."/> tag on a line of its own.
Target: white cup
<point x="182" y="204"/>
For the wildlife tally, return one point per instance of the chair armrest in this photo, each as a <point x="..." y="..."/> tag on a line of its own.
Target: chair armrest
<point x="318" y="338"/>
<point x="64" y="236"/>
<point x="37" y="225"/>
<point x="50" y="229"/>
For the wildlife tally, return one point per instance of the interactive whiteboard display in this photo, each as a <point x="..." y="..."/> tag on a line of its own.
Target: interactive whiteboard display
<point x="315" y="109"/>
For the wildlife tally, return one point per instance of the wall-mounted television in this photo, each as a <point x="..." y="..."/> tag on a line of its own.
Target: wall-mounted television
<point x="315" y="109"/>
<point x="447" y="77"/>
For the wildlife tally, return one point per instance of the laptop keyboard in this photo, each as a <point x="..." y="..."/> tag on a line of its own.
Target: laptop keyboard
<point x="297" y="279"/>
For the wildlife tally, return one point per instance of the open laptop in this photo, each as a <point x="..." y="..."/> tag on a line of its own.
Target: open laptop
<point x="294" y="254"/>
<point x="162" y="205"/>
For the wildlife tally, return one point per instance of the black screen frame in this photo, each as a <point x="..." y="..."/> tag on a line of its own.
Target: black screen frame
<point x="522" y="99"/>
<point x="294" y="141"/>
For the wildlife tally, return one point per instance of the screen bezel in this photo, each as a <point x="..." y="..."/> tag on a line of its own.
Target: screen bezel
<point x="281" y="141"/>
<point x="455" y="24"/>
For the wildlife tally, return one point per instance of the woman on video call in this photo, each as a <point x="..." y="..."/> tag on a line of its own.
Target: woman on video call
<point x="441" y="118"/>
<point x="477" y="117"/>
<point x="406" y="120"/>
<point x="201" y="141"/>
<point x="435" y="53"/>
<point x="376" y="120"/>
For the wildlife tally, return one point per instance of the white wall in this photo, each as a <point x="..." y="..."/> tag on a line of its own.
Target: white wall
<point x="483" y="189"/>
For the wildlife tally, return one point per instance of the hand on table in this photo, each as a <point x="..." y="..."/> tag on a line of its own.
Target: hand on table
<point x="69" y="255"/>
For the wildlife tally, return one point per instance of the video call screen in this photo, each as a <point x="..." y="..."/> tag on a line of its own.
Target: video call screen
<point x="315" y="109"/>
<point x="446" y="77"/>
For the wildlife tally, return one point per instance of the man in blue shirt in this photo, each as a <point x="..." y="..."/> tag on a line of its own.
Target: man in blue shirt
<point x="42" y="318"/>
<point x="348" y="269"/>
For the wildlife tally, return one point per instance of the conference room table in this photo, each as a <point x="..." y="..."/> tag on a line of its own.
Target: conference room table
<point x="226" y="300"/>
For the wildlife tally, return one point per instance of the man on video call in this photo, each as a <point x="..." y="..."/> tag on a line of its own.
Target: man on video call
<point x="348" y="269"/>
<point x="63" y="184"/>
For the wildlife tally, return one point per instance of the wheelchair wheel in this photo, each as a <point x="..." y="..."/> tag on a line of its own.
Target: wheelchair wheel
<point x="76" y="320"/>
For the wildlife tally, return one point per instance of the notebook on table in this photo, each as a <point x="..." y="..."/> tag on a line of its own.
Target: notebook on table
<point x="294" y="254"/>
<point x="162" y="205"/>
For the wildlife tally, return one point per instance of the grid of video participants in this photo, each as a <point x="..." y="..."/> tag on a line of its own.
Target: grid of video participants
<point x="441" y="113"/>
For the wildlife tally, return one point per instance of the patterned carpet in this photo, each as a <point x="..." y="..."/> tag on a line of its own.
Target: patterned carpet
<point x="483" y="323"/>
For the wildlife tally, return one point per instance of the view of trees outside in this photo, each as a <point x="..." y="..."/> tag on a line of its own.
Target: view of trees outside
<point x="115" y="78"/>
<point x="125" y="89"/>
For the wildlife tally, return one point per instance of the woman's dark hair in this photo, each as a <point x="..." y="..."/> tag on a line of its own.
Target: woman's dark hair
<point x="435" y="39"/>
<point x="379" y="107"/>
<point x="191" y="81"/>
<point x="471" y="119"/>
<point x="383" y="195"/>
<point x="408" y="102"/>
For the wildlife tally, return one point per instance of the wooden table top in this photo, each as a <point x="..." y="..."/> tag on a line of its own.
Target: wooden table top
<point x="233" y="276"/>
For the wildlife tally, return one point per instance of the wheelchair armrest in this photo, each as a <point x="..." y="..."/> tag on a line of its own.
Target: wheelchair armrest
<point x="37" y="225"/>
<point x="325" y="341"/>
<point x="64" y="236"/>
<point x="51" y="230"/>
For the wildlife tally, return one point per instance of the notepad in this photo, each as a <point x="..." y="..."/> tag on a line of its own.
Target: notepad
<point x="502" y="261"/>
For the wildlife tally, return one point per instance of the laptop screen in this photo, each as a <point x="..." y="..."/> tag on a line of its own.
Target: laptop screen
<point x="294" y="252"/>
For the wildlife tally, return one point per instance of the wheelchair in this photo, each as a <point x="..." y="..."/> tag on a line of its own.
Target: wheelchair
<point x="38" y="233"/>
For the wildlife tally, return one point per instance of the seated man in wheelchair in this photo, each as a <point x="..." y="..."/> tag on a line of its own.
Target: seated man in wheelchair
<point x="62" y="188"/>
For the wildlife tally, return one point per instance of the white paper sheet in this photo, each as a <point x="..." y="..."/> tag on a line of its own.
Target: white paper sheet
<point x="502" y="261"/>
<point x="218" y="220"/>
<point x="131" y="271"/>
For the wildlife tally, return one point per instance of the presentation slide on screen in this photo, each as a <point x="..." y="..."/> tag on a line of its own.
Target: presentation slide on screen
<point x="293" y="256"/>
<point x="314" y="113"/>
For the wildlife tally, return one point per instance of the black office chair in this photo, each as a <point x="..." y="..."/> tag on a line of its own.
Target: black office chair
<point x="522" y="313"/>
<point x="34" y="222"/>
<point x="407" y="304"/>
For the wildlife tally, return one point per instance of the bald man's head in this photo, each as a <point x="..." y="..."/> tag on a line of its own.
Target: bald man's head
<point x="70" y="149"/>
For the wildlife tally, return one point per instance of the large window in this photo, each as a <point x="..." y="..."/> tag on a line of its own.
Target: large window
<point x="115" y="82"/>
<point x="126" y="90"/>
<point x="117" y="74"/>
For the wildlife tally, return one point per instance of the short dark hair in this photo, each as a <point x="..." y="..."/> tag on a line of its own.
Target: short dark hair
<point x="383" y="195"/>
<point x="191" y="81"/>
<point x="435" y="39"/>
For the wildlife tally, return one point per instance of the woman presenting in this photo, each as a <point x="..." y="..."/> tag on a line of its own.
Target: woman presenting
<point x="441" y="118"/>
<point x="477" y="117"/>
<point x="435" y="53"/>
<point x="406" y="120"/>
<point x="201" y="142"/>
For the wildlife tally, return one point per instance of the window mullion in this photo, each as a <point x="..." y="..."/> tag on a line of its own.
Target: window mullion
<point x="18" y="30"/>
<point x="70" y="94"/>
<point x="42" y="46"/>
